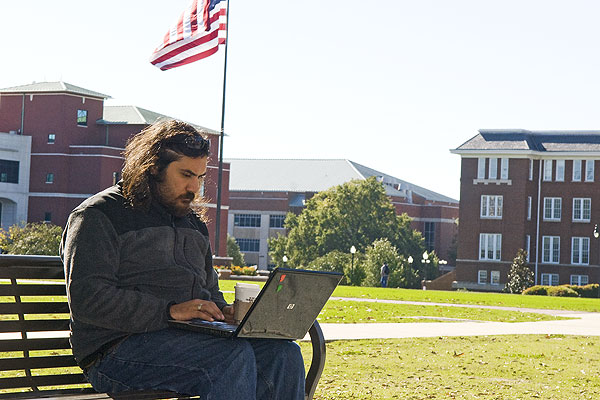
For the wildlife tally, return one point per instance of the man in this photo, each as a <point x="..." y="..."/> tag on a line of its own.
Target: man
<point x="385" y="273"/>
<point x="138" y="254"/>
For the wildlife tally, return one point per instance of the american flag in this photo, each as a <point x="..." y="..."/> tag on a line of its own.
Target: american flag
<point x="196" y="35"/>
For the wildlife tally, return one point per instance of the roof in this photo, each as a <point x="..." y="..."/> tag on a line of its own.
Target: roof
<point x="539" y="141"/>
<point x="133" y="115"/>
<point x="313" y="175"/>
<point x="54" y="87"/>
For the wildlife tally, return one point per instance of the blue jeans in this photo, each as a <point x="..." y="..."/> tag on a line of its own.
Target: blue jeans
<point x="384" y="280"/>
<point x="195" y="364"/>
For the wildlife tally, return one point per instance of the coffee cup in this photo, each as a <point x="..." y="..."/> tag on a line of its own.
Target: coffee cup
<point x="245" y="294"/>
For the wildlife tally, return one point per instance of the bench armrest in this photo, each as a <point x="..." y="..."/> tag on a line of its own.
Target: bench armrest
<point x="318" y="360"/>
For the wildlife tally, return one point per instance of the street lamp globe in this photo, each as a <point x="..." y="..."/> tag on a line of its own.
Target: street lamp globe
<point x="352" y="249"/>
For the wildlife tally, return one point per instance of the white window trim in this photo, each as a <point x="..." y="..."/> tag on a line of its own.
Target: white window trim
<point x="552" y="240"/>
<point x="484" y="239"/>
<point x="485" y="205"/>
<point x="589" y="170"/>
<point x="529" y="206"/>
<point x="495" y="278"/>
<point x="576" y="169"/>
<point x="553" y="208"/>
<point x="482" y="277"/>
<point x="550" y="279"/>
<point x="560" y="170"/>
<point x="547" y="171"/>
<point x="530" y="169"/>
<point x="481" y="168"/>
<point x="582" y="201"/>
<point x="527" y="246"/>
<point x="504" y="168"/>
<point x="493" y="168"/>
<point x="579" y="279"/>
<point x="580" y="249"/>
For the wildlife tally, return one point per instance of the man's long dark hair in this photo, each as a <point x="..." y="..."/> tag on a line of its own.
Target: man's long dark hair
<point x="148" y="153"/>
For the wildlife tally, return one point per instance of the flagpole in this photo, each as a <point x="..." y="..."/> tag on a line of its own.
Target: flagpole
<point x="220" y="179"/>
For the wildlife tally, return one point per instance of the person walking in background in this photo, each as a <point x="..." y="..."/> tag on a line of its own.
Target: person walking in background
<point x="385" y="273"/>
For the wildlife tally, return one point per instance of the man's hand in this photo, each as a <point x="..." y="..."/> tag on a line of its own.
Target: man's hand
<point x="203" y="309"/>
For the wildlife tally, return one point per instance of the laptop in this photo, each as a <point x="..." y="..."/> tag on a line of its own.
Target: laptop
<point x="285" y="308"/>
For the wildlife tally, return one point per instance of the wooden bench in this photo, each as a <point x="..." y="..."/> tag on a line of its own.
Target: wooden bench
<point x="35" y="355"/>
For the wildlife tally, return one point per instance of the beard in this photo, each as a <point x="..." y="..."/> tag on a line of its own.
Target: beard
<point x="176" y="205"/>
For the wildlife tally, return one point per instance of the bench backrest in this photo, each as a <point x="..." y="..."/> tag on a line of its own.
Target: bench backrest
<point x="34" y="324"/>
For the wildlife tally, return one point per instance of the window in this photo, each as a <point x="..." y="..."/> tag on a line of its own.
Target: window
<point x="529" y="208"/>
<point x="582" y="210"/>
<point x="490" y="245"/>
<point x="482" y="277"/>
<point x="51" y="138"/>
<point x="429" y="233"/>
<point x="547" y="170"/>
<point x="248" y="245"/>
<point x="550" y="279"/>
<point x="9" y="171"/>
<point x="481" y="168"/>
<point x="493" y="168"/>
<point x="82" y="117"/>
<point x="50" y="177"/>
<point x="247" y="220"/>
<point x="552" y="208"/>
<point x="527" y="246"/>
<point x="550" y="249"/>
<point x="276" y="221"/>
<point x="589" y="170"/>
<point x="530" y="169"/>
<point x="580" y="250"/>
<point x="491" y="206"/>
<point x="47" y="217"/>
<point x="504" y="168"/>
<point x="495" y="278"/>
<point x="579" y="280"/>
<point x="560" y="170"/>
<point x="576" y="170"/>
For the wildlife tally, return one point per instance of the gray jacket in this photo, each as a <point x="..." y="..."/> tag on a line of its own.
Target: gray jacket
<point x="125" y="267"/>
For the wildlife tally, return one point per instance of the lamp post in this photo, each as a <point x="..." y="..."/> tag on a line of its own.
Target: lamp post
<point x="410" y="260"/>
<point x="285" y="259"/>
<point x="352" y="251"/>
<point x="596" y="235"/>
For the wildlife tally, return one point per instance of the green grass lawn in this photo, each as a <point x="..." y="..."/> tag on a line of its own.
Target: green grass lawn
<point x="341" y="311"/>
<point x="495" y="367"/>
<point x="454" y="297"/>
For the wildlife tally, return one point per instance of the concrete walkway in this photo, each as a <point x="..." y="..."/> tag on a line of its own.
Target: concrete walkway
<point x="583" y="323"/>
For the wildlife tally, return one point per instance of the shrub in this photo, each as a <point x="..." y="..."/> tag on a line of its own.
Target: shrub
<point x="250" y="271"/>
<point x="562" y="291"/>
<point x="537" y="290"/>
<point x="589" y="291"/>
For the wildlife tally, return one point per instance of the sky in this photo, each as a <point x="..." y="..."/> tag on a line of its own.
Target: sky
<point x="393" y="84"/>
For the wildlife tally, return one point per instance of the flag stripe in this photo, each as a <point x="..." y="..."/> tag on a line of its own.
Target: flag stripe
<point x="193" y="37"/>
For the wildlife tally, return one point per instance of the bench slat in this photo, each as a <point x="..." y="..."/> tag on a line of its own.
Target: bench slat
<point x="34" y="344"/>
<point x="32" y="272"/>
<point x="11" y="364"/>
<point x="33" y="290"/>
<point x="35" y="308"/>
<point x="35" y="325"/>
<point x="43" y="380"/>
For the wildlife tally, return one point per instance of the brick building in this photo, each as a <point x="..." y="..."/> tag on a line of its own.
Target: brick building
<point x="263" y="191"/>
<point x="60" y="143"/>
<point x="531" y="190"/>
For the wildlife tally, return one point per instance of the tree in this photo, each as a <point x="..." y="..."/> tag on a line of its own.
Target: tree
<point x="337" y="261"/>
<point x="33" y="238"/>
<point x="233" y="250"/>
<point x="520" y="276"/>
<point x="355" y="213"/>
